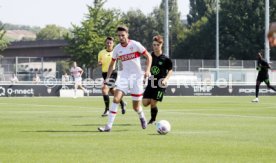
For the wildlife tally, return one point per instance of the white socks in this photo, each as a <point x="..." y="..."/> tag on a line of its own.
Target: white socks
<point x="141" y="113"/>
<point x="112" y="114"/>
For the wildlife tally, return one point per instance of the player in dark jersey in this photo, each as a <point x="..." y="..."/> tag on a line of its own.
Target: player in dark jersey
<point x="161" y="70"/>
<point x="263" y="76"/>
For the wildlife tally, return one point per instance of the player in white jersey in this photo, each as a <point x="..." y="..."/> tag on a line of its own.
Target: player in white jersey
<point x="77" y="72"/>
<point x="131" y="76"/>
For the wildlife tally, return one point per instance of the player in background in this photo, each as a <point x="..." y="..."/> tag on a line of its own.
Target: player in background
<point x="131" y="76"/>
<point x="104" y="59"/>
<point x="77" y="72"/>
<point x="262" y="67"/>
<point x="263" y="73"/>
<point x="161" y="70"/>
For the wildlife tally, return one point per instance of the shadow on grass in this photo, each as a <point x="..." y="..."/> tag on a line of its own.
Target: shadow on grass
<point x="104" y="124"/>
<point x="74" y="131"/>
<point x="155" y="134"/>
<point x="78" y="116"/>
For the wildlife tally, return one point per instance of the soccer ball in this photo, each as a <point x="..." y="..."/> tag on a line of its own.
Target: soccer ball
<point x="163" y="127"/>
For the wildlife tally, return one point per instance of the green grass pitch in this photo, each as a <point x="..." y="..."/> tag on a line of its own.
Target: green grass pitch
<point x="204" y="129"/>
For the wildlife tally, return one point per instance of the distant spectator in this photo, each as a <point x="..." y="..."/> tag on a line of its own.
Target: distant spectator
<point x="14" y="79"/>
<point x="36" y="79"/>
<point x="65" y="78"/>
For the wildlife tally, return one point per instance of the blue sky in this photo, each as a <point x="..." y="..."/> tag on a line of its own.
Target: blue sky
<point x="65" y="12"/>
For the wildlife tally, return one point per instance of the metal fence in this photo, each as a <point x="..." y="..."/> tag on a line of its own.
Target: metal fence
<point x="239" y="71"/>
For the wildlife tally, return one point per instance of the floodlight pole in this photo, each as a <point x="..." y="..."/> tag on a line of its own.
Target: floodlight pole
<point x="166" y="28"/>
<point x="217" y="34"/>
<point x="267" y="49"/>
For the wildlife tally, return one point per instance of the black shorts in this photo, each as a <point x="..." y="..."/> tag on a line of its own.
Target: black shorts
<point x="154" y="93"/>
<point x="112" y="79"/>
<point x="263" y="78"/>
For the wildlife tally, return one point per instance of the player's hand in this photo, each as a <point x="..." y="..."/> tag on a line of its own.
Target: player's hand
<point x="106" y="81"/>
<point x="164" y="82"/>
<point x="147" y="74"/>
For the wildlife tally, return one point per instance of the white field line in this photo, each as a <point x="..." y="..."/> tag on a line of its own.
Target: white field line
<point x="54" y="106"/>
<point x="178" y="112"/>
<point x="225" y="115"/>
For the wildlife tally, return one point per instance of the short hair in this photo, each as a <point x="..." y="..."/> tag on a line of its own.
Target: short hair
<point x="158" y="38"/>
<point x="109" y="38"/>
<point x="122" y="28"/>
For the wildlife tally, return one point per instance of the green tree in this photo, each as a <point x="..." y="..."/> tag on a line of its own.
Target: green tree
<point x="241" y="31"/>
<point x="51" y="32"/>
<point x="176" y="26"/>
<point x="199" y="9"/>
<point x="141" y="27"/>
<point x="3" y="42"/>
<point x="87" y="40"/>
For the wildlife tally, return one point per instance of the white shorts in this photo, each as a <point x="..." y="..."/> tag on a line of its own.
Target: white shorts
<point x="132" y="84"/>
<point x="78" y="81"/>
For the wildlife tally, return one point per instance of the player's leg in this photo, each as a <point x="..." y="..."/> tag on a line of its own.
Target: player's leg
<point x="146" y="102"/>
<point x="122" y="103"/>
<point x="81" y="87"/>
<point x="258" y="83"/>
<point x="267" y="82"/>
<point x="153" y="111"/>
<point x="112" y="83"/>
<point x="113" y="111"/>
<point x="75" y="89"/>
<point x="138" y="108"/>
<point x="105" y="91"/>
<point x="118" y="95"/>
<point x="136" y="90"/>
<point x="147" y="96"/>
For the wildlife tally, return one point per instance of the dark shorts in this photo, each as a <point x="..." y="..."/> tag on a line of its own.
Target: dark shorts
<point x="112" y="79"/>
<point x="154" y="93"/>
<point x="263" y="78"/>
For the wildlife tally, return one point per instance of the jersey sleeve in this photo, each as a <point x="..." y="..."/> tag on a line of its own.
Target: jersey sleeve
<point x="100" y="56"/>
<point x="140" y="48"/>
<point x="263" y="63"/>
<point x="79" y="69"/>
<point x="169" y="65"/>
<point x="115" y="54"/>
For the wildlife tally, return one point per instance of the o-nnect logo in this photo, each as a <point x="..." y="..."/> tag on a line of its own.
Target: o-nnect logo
<point x="2" y="91"/>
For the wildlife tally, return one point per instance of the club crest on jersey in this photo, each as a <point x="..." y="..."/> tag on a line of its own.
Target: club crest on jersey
<point x="131" y="48"/>
<point x="160" y="63"/>
<point x="129" y="56"/>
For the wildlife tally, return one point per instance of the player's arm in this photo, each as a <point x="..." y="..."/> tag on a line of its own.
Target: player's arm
<point x="81" y="71"/>
<point x="165" y="80"/>
<point x="265" y="65"/>
<point x="110" y="69"/>
<point x="148" y="64"/>
<point x="100" y="59"/>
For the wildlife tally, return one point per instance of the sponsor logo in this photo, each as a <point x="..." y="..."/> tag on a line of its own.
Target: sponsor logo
<point x="2" y="91"/>
<point x="252" y="90"/>
<point x="173" y="90"/>
<point x="129" y="56"/>
<point x="11" y="91"/>
<point x="203" y="88"/>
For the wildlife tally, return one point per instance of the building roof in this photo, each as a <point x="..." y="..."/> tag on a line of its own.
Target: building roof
<point x="37" y="44"/>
